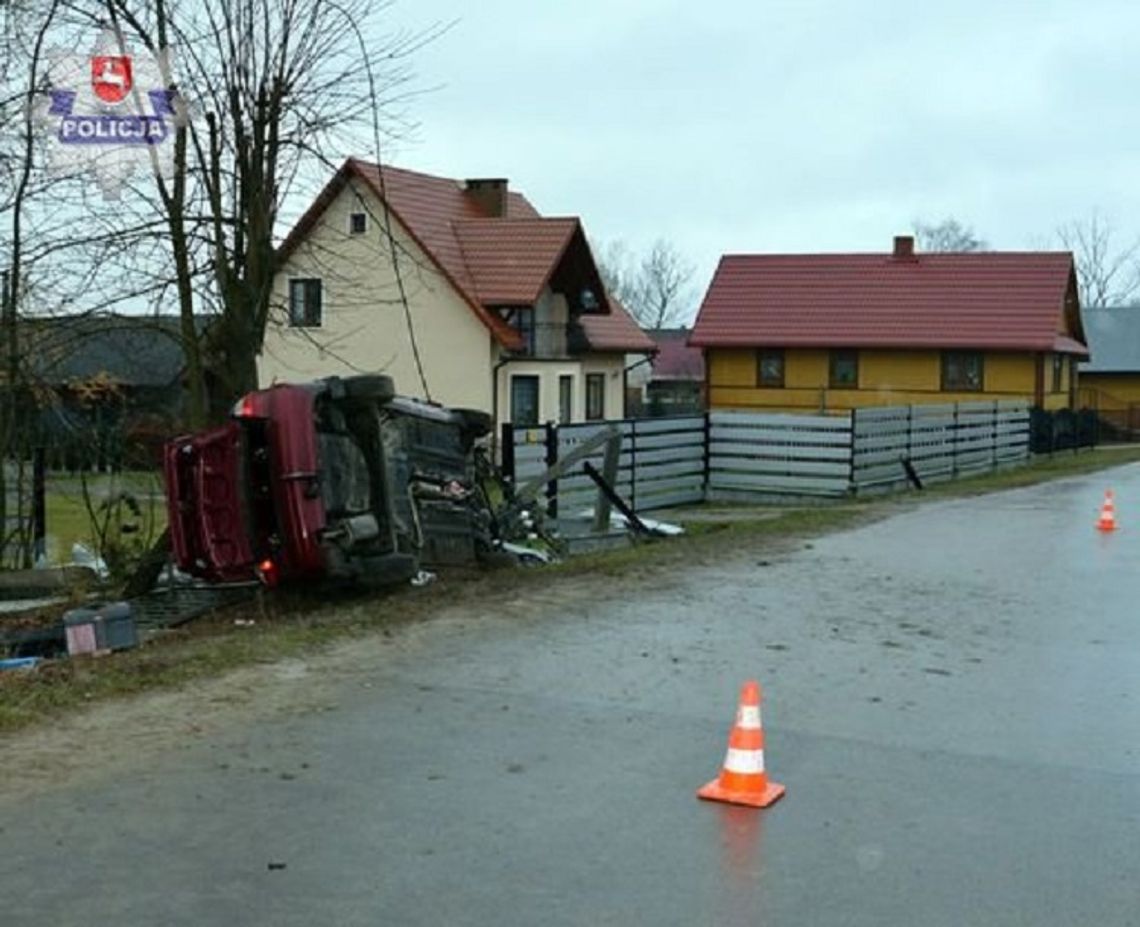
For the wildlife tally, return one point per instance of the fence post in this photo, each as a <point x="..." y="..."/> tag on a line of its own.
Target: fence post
<point x="632" y="465"/>
<point x="954" y="443"/>
<point x="507" y="450"/>
<point x="39" y="505"/>
<point x="708" y="456"/>
<point x="551" y="460"/>
<point x="852" y="486"/>
<point x="994" y="438"/>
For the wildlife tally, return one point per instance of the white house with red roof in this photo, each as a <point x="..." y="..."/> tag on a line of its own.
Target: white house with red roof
<point x="832" y="332"/>
<point x="458" y="290"/>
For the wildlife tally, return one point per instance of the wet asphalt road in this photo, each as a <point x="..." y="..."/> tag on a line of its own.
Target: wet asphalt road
<point x="952" y="700"/>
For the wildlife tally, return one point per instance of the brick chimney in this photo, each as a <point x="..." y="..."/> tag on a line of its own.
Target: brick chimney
<point x="490" y="195"/>
<point x="904" y="248"/>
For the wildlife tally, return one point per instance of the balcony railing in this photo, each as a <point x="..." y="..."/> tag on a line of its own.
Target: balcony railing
<point x="544" y="340"/>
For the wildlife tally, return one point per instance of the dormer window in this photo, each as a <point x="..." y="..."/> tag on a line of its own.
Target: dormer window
<point x="588" y="300"/>
<point x="357" y="223"/>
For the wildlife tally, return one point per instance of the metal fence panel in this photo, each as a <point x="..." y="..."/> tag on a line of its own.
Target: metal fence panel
<point x="687" y="457"/>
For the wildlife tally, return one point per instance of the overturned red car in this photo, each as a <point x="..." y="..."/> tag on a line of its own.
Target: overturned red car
<point x="338" y="479"/>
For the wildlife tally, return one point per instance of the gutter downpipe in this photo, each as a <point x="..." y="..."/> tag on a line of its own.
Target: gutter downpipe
<point x="503" y="361"/>
<point x="648" y="359"/>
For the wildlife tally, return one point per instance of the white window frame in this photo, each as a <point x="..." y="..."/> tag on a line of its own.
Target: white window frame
<point x="302" y="321"/>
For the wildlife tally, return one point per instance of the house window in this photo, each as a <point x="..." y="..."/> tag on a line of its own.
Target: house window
<point x="770" y="368"/>
<point x="523" y="322"/>
<point x="357" y="223"/>
<point x="962" y="371"/>
<point x="1058" y="371"/>
<point x="844" y="372"/>
<point x="565" y="398"/>
<point x="595" y="397"/>
<point x="524" y="400"/>
<point x="305" y="303"/>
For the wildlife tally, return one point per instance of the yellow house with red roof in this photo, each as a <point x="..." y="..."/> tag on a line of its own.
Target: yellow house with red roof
<point x="459" y="290"/>
<point x="833" y="332"/>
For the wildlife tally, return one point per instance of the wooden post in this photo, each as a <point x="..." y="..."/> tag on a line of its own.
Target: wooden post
<point x="630" y="515"/>
<point x="609" y="473"/>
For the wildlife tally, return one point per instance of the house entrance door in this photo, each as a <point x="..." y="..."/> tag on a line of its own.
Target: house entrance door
<point x="524" y="400"/>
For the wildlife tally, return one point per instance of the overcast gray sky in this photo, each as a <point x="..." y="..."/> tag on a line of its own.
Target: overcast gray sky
<point x="737" y="126"/>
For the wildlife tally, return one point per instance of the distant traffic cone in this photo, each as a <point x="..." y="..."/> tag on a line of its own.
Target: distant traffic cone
<point x="1107" y="521"/>
<point x="742" y="780"/>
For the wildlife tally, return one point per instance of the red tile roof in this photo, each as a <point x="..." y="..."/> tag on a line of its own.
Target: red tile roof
<point x="491" y="261"/>
<point x="996" y="300"/>
<point x="676" y="359"/>
<point x="511" y="260"/>
<point x="615" y="331"/>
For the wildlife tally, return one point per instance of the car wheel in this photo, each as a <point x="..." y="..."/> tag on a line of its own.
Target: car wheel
<point x="375" y="386"/>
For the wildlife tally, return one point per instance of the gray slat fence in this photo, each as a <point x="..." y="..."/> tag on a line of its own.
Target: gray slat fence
<point x="723" y="455"/>
<point x="662" y="461"/>
<point x="941" y="442"/>
<point x="773" y="453"/>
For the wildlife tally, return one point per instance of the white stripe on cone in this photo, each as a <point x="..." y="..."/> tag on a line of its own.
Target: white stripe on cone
<point x="748" y="762"/>
<point x="748" y="717"/>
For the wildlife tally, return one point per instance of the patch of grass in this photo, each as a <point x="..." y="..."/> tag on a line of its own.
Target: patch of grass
<point x="207" y="648"/>
<point x="69" y="522"/>
<point x="1060" y="465"/>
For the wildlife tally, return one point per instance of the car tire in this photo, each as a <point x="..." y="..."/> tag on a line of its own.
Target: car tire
<point x="374" y="386"/>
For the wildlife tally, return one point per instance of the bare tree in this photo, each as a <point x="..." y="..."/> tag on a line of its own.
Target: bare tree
<point x="949" y="235"/>
<point x="287" y="80"/>
<point x="24" y="31"/>
<point x="1108" y="272"/>
<point x="656" y="289"/>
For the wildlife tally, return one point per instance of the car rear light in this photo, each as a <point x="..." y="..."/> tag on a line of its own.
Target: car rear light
<point x="267" y="572"/>
<point x="243" y="408"/>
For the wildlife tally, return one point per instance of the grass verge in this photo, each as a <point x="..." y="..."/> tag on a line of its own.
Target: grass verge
<point x="300" y="624"/>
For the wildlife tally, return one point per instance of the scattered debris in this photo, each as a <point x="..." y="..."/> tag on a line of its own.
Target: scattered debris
<point x="527" y="556"/>
<point x="619" y="522"/>
<point x="19" y="663"/>
<point x="100" y="629"/>
<point x="82" y="556"/>
<point x="423" y="578"/>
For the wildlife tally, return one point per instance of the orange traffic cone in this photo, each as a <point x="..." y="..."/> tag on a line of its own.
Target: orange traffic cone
<point x="1107" y="521"/>
<point x="742" y="780"/>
